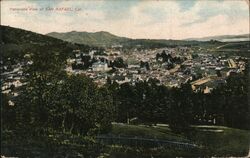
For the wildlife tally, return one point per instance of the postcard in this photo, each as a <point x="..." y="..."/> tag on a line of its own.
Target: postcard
<point x="125" y="78"/>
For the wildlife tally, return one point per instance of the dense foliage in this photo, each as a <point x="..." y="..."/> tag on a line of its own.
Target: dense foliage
<point x="53" y="100"/>
<point x="148" y="102"/>
<point x="15" y="43"/>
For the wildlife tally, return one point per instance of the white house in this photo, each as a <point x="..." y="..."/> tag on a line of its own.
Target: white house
<point x="99" y="66"/>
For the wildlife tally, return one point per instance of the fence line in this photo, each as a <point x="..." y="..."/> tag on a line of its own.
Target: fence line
<point x="144" y="142"/>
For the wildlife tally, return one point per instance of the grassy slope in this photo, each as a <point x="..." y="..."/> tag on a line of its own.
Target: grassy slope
<point x="228" y="142"/>
<point x="145" y="132"/>
<point x="216" y="140"/>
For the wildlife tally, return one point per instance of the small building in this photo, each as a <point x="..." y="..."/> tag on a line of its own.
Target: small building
<point x="99" y="66"/>
<point x="199" y="83"/>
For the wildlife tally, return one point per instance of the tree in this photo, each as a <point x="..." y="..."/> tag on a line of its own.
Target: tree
<point x="81" y="107"/>
<point x="34" y="104"/>
<point x="237" y="110"/>
<point x="8" y="119"/>
<point x="126" y="102"/>
<point x="181" y="109"/>
<point x="119" y="63"/>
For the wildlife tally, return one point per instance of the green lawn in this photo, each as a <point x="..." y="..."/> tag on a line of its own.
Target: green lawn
<point x="145" y="132"/>
<point x="222" y="140"/>
<point x="214" y="140"/>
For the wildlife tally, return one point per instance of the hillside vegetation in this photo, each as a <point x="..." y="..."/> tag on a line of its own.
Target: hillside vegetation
<point x="15" y="43"/>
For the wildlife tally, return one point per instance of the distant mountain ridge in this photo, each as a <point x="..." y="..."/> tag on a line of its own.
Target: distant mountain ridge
<point x="223" y="38"/>
<point x="101" y="38"/>
<point x="104" y="38"/>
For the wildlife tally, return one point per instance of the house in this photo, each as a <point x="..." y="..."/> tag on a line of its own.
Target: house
<point x="199" y="83"/>
<point x="99" y="66"/>
<point x="232" y="64"/>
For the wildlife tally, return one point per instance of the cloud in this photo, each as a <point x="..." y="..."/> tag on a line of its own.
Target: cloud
<point x="136" y="19"/>
<point x="186" y="5"/>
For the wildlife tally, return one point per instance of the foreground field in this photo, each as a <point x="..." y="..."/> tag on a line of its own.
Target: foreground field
<point x="209" y="141"/>
<point x="212" y="140"/>
<point x="222" y="140"/>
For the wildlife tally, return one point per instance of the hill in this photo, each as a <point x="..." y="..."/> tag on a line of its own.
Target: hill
<point x="224" y="38"/>
<point x="101" y="38"/>
<point x="106" y="39"/>
<point x="16" y="42"/>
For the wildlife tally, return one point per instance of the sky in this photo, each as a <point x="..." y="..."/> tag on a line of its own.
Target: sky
<point x="151" y="19"/>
